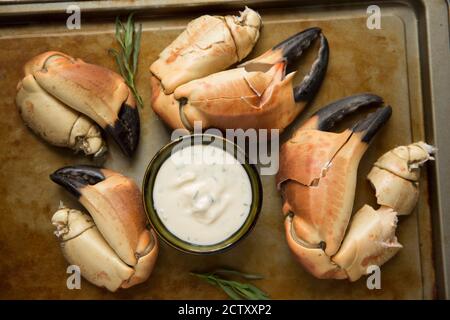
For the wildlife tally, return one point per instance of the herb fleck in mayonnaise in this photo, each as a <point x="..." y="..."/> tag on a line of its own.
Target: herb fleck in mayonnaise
<point x="202" y="194"/>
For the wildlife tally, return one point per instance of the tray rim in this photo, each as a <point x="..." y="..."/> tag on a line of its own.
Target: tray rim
<point x="433" y="38"/>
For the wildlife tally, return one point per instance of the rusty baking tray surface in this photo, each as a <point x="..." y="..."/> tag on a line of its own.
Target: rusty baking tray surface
<point x="389" y="62"/>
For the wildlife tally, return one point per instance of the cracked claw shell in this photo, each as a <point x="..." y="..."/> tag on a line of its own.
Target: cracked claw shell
<point x="370" y="240"/>
<point x="371" y="237"/>
<point x="317" y="179"/>
<point x="208" y="44"/>
<point x="114" y="248"/>
<point x="258" y="94"/>
<point x="395" y="176"/>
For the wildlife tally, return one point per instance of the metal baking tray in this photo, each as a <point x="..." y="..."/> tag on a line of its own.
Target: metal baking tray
<point x="406" y="62"/>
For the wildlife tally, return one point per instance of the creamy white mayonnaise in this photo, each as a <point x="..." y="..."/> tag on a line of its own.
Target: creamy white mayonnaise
<point x="202" y="194"/>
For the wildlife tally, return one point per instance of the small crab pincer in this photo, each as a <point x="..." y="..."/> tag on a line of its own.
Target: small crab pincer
<point x="57" y="88"/>
<point x="317" y="180"/>
<point x="257" y="94"/>
<point x="119" y="250"/>
<point x="371" y="238"/>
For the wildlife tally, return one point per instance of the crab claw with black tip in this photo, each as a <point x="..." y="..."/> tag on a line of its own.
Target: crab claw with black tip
<point x="115" y="205"/>
<point x="94" y="91"/>
<point x="258" y="94"/>
<point x="317" y="179"/>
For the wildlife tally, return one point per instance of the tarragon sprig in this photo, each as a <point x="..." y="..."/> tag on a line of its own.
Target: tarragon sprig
<point x="129" y="39"/>
<point x="234" y="289"/>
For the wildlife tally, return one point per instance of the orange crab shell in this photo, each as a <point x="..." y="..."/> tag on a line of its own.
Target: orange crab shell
<point x="318" y="184"/>
<point x="239" y="98"/>
<point x="87" y="88"/>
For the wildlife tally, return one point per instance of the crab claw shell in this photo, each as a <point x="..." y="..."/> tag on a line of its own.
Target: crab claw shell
<point x="223" y="106"/>
<point x="209" y="44"/>
<point x="258" y="94"/>
<point x="114" y="202"/>
<point x="83" y="245"/>
<point x="97" y="92"/>
<point x="405" y="161"/>
<point x="370" y="240"/>
<point x="323" y="209"/>
<point x="395" y="176"/>
<point x="318" y="170"/>
<point x="55" y="122"/>
<point x="311" y="147"/>
<point x="244" y="30"/>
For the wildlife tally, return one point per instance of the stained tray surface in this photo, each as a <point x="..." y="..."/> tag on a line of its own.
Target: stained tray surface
<point x="380" y="61"/>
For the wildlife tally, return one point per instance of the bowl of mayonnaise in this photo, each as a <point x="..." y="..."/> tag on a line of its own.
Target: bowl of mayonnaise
<point x="201" y="194"/>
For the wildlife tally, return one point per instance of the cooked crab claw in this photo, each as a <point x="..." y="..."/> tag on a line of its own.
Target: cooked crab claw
<point x="99" y="93"/>
<point x="115" y="205"/>
<point x="317" y="179"/>
<point x="258" y="94"/>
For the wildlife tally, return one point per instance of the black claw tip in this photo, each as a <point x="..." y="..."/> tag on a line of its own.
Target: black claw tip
<point x="335" y="111"/>
<point x="310" y="84"/>
<point x="293" y="46"/>
<point x="126" y="129"/>
<point x="372" y="123"/>
<point x="74" y="178"/>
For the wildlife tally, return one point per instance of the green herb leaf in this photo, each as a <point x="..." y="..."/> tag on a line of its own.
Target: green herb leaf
<point x="118" y="32"/>
<point x="247" y="293"/>
<point x="229" y="291"/>
<point x="260" y="295"/>
<point x="237" y="273"/>
<point x="127" y="56"/>
<point x="137" y="45"/>
<point x="234" y="289"/>
<point x="119" y="62"/>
